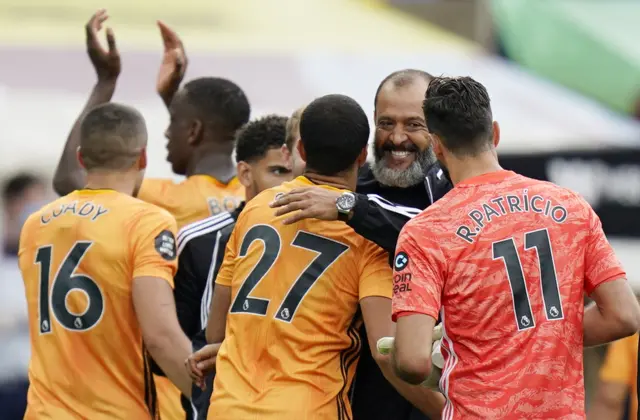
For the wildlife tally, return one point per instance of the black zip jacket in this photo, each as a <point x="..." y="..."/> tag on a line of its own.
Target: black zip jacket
<point x="379" y="215"/>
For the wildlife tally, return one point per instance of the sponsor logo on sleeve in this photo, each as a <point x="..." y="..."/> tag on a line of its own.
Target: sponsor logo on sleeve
<point x="401" y="281"/>
<point x="165" y="244"/>
<point x="401" y="261"/>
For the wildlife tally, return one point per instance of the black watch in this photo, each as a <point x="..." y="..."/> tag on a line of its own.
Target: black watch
<point x="345" y="204"/>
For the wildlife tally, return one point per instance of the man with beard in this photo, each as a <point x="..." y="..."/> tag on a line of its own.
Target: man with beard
<point x="404" y="179"/>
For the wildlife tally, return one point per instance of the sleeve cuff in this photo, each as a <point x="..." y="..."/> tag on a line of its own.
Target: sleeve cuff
<point x="400" y="313"/>
<point x="618" y="274"/>
<point x="168" y="277"/>
<point x="359" y="210"/>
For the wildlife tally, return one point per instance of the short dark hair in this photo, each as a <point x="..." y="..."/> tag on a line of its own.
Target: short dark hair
<point x="219" y="102"/>
<point x="16" y="185"/>
<point x="112" y="136"/>
<point x="458" y="110"/>
<point x="402" y="78"/>
<point x="333" y="129"/>
<point x="255" y="139"/>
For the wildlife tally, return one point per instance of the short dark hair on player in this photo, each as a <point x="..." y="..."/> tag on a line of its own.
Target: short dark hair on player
<point x="218" y="101"/>
<point x="333" y="129"/>
<point x="458" y="110"/>
<point x="112" y="136"/>
<point x="402" y="78"/>
<point x="255" y="139"/>
<point x="16" y="185"/>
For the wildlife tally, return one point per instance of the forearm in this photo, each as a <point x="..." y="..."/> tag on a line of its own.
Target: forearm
<point x="430" y="402"/>
<point x="377" y="224"/>
<point x="170" y="351"/>
<point x="69" y="174"/>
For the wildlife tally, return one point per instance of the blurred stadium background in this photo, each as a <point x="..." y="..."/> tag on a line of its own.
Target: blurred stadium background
<point x="564" y="78"/>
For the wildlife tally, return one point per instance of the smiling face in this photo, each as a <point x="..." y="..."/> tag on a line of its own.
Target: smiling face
<point x="402" y="146"/>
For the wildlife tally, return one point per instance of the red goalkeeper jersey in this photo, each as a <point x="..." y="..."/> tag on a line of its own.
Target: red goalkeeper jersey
<point x="505" y="261"/>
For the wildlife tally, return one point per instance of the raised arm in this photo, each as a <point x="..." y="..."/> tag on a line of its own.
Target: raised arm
<point x="173" y="66"/>
<point x="69" y="175"/>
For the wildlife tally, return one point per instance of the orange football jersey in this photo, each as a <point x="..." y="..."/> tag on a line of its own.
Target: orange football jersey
<point x="78" y="256"/>
<point x="505" y="261"/>
<point x="194" y="199"/>
<point x="291" y="342"/>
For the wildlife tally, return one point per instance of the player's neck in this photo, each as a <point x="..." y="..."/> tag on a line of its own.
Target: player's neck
<point x="214" y="160"/>
<point x="343" y="181"/>
<point x="124" y="182"/>
<point x="461" y="169"/>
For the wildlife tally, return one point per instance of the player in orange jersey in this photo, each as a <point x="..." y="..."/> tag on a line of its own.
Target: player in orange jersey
<point x="505" y="261"/>
<point x="288" y="298"/>
<point x="98" y="268"/>
<point x="205" y="114"/>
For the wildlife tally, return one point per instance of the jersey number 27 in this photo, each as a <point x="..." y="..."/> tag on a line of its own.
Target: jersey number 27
<point x="506" y="250"/>
<point x="328" y="252"/>
<point x="63" y="283"/>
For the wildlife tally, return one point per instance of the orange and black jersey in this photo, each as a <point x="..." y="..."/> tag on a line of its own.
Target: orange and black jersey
<point x="79" y="256"/>
<point x="194" y="199"/>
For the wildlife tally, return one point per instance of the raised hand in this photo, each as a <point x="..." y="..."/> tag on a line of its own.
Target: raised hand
<point x="173" y="66"/>
<point x="106" y="62"/>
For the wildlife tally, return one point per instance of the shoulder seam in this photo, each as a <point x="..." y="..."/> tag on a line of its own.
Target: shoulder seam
<point x="213" y="225"/>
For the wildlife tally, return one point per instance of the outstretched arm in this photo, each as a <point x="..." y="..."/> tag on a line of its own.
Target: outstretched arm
<point x="373" y="217"/>
<point x="173" y="66"/>
<point x="69" y="174"/>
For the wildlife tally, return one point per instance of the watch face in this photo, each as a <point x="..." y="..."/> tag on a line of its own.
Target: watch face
<point x="346" y="202"/>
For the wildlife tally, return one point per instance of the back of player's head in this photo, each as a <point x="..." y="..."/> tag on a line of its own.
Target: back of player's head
<point x="400" y="79"/>
<point x="256" y="138"/>
<point x="112" y="136"/>
<point x="293" y="128"/>
<point x="458" y="111"/>
<point x="333" y="130"/>
<point x="17" y="185"/>
<point x="218" y="102"/>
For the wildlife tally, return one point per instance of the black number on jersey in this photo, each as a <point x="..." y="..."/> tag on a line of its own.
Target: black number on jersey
<point x="244" y="303"/>
<point x="507" y="252"/>
<point x="328" y="252"/>
<point x="64" y="282"/>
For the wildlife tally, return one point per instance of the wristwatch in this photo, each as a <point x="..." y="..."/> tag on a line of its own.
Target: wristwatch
<point x="345" y="204"/>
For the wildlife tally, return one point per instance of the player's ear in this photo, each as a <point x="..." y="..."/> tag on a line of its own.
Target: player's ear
<point x="142" y="159"/>
<point x="437" y="146"/>
<point x="79" y="157"/>
<point x="244" y="174"/>
<point x="496" y="133"/>
<point x="362" y="157"/>
<point x="195" y="132"/>
<point x="301" y="151"/>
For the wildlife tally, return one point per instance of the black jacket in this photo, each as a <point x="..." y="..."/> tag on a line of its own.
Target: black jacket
<point x="381" y="211"/>
<point x="201" y="248"/>
<point x="379" y="215"/>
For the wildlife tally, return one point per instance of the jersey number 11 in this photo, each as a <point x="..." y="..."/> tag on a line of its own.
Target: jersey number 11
<point x="506" y="251"/>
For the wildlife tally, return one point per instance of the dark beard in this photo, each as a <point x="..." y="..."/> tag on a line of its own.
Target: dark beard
<point x="411" y="176"/>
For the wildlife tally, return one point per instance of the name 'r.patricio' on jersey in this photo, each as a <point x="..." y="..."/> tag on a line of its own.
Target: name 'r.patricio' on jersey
<point x="508" y="204"/>
<point x="86" y="209"/>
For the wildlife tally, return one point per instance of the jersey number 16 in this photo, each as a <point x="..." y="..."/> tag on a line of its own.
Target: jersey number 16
<point x="63" y="283"/>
